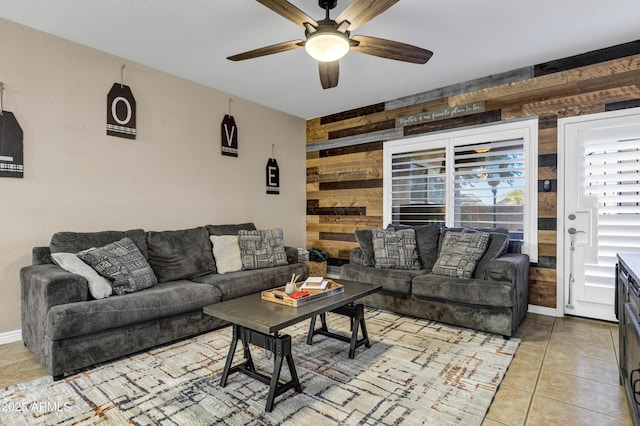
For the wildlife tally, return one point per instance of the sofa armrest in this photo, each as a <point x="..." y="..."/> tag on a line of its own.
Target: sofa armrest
<point x="512" y="267"/>
<point x="50" y="285"/>
<point x="356" y="256"/>
<point x="43" y="287"/>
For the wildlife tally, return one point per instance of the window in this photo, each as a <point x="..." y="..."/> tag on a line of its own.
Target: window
<point x="484" y="177"/>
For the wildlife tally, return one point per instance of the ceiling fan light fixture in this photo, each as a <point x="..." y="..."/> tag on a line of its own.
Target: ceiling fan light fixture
<point x="327" y="46"/>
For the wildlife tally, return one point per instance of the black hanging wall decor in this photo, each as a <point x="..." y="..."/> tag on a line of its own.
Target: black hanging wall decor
<point x="273" y="175"/>
<point x="11" y="148"/>
<point x="121" y="110"/>
<point x="229" y="136"/>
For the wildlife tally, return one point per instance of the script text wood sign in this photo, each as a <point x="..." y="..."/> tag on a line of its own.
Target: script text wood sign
<point x="441" y="114"/>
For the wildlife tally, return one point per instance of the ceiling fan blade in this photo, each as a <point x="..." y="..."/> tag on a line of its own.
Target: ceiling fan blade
<point x="268" y="50"/>
<point x="288" y="11"/>
<point x="329" y="73"/>
<point x="391" y="49"/>
<point x="360" y="12"/>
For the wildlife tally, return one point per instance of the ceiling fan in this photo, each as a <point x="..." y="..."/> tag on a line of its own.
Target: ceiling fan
<point x="329" y="40"/>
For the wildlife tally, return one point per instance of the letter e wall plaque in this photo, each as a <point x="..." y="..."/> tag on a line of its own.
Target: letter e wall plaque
<point x="121" y="112"/>
<point x="11" y="150"/>
<point x="229" y="136"/>
<point x="273" y="177"/>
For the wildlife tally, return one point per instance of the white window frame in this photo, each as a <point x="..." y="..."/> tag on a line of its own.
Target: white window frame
<point x="527" y="129"/>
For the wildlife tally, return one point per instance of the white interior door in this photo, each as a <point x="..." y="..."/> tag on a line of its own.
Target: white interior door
<point x="601" y="214"/>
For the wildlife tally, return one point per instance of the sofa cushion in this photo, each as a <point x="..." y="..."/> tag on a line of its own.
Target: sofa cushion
<point x="230" y="229"/>
<point x="73" y="242"/>
<point x="242" y="283"/>
<point x="470" y="291"/>
<point x="427" y="238"/>
<point x="395" y="249"/>
<point x="226" y="253"/>
<point x="160" y="301"/>
<point x="123" y="264"/>
<point x="262" y="248"/>
<point x="364" y="237"/>
<point x="99" y="286"/>
<point x="393" y="280"/>
<point x="176" y="255"/>
<point x="460" y="253"/>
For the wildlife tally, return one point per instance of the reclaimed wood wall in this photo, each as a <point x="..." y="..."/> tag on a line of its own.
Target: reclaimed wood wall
<point x="344" y="150"/>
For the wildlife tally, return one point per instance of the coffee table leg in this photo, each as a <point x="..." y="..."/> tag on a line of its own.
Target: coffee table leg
<point x="232" y="351"/>
<point x="273" y="386"/>
<point x="356" y="322"/>
<point x="312" y="329"/>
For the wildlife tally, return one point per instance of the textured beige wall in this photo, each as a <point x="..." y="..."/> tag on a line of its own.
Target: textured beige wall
<point x="171" y="177"/>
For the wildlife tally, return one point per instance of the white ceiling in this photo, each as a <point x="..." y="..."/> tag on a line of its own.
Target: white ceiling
<point x="469" y="38"/>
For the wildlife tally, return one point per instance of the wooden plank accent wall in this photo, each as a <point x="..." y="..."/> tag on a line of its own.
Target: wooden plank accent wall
<point x="344" y="150"/>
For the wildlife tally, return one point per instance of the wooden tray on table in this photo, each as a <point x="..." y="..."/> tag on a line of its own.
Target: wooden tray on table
<point x="278" y="295"/>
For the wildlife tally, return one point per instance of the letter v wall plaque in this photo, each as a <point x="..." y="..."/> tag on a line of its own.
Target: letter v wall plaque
<point x="229" y="136"/>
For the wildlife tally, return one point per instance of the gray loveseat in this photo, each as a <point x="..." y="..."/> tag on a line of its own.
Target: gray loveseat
<point x="67" y="329"/>
<point x="493" y="299"/>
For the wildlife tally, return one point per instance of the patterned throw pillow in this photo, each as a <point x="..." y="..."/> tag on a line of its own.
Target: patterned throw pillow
<point x="460" y="253"/>
<point x="262" y="249"/>
<point x="123" y="264"/>
<point x="395" y="249"/>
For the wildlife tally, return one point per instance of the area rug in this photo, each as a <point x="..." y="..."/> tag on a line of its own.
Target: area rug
<point x="415" y="372"/>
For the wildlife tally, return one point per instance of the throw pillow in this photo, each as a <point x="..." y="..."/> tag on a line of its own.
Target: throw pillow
<point x="262" y="248"/>
<point x="395" y="249"/>
<point x="181" y="254"/>
<point x="427" y="237"/>
<point x="123" y="264"/>
<point x="226" y="251"/>
<point x="99" y="287"/>
<point x="460" y="253"/>
<point x="365" y="239"/>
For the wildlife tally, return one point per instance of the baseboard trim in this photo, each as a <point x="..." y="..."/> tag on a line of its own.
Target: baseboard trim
<point x="10" y="337"/>
<point x="551" y="312"/>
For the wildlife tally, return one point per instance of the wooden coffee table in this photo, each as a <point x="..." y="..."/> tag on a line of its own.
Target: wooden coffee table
<point x="258" y="322"/>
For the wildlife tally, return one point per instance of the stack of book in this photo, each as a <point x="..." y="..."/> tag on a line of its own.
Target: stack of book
<point x="314" y="283"/>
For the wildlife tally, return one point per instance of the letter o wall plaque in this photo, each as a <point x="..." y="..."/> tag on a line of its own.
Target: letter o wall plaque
<point x="121" y="112"/>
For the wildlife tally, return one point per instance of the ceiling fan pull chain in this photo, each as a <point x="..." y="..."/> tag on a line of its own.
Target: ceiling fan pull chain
<point x="122" y="76"/>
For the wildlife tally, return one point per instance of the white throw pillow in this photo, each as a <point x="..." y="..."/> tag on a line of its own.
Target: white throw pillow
<point x="99" y="286"/>
<point x="227" y="253"/>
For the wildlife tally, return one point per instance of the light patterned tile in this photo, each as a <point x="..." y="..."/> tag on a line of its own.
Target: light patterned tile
<point x="546" y="411"/>
<point x="510" y="406"/>
<point x="584" y="393"/>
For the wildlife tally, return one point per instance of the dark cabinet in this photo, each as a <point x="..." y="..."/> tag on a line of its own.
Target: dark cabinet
<point x="628" y="314"/>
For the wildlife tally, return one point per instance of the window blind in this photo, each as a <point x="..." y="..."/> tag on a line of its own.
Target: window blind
<point x="489" y="183"/>
<point x="612" y="174"/>
<point x="418" y="186"/>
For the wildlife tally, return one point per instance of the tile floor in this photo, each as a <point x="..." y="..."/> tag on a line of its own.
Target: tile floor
<point x="564" y="373"/>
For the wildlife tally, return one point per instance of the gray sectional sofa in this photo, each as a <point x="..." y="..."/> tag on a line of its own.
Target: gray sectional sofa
<point x="67" y="329"/>
<point x="494" y="298"/>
